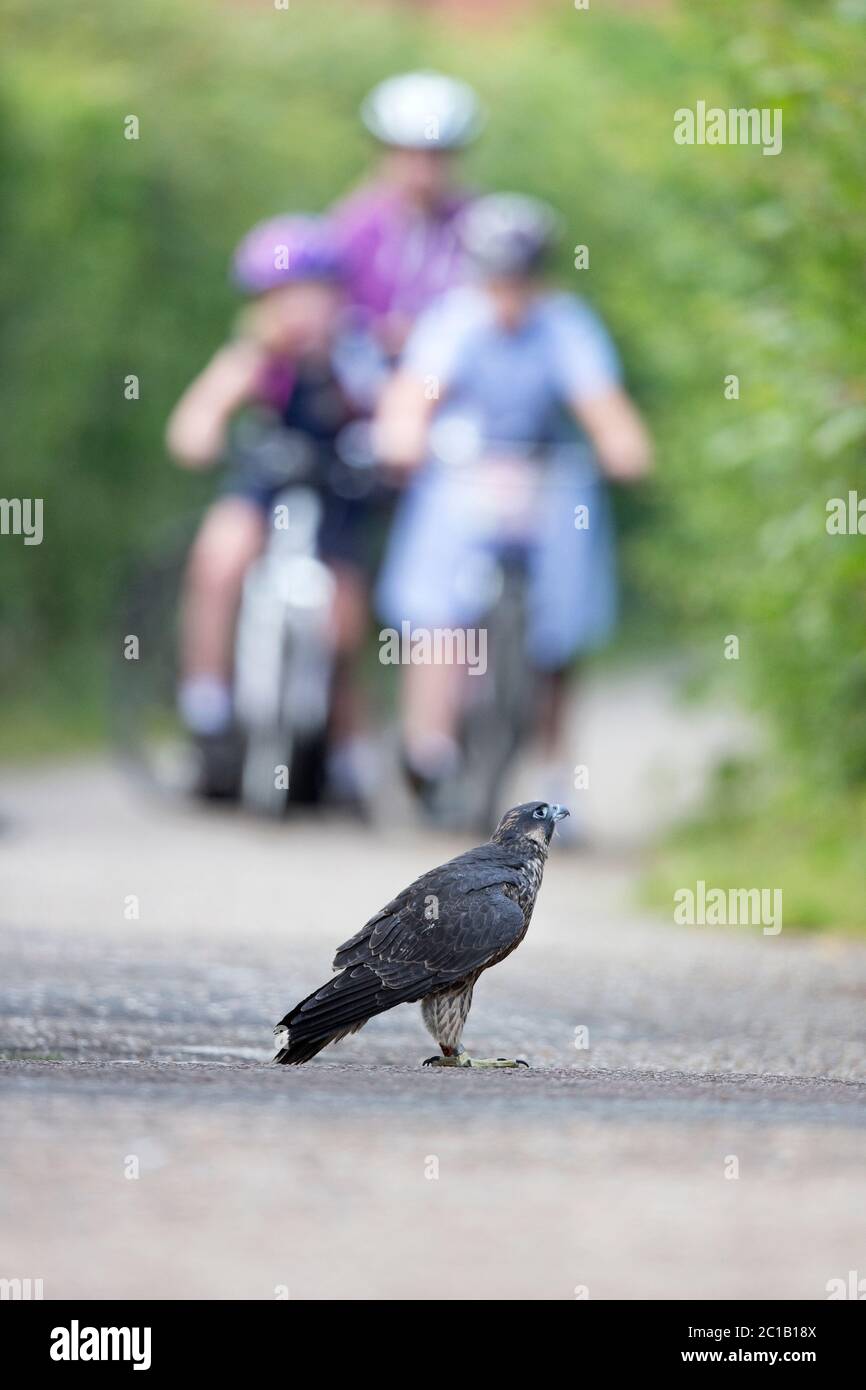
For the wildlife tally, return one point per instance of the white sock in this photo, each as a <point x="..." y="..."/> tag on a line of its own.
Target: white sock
<point x="205" y="704"/>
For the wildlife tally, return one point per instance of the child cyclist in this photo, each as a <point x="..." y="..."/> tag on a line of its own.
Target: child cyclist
<point x="496" y="370"/>
<point x="295" y="358"/>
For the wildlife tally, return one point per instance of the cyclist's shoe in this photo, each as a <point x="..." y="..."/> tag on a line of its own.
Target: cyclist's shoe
<point x="439" y="796"/>
<point x="425" y="789"/>
<point x="220" y="762"/>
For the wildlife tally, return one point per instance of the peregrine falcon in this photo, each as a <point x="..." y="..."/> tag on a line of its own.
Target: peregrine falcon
<point x="431" y="943"/>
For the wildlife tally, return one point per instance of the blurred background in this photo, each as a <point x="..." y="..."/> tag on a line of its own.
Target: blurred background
<point x="704" y="263"/>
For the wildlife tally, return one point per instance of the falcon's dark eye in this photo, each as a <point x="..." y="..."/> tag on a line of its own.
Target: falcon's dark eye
<point x="540" y="812"/>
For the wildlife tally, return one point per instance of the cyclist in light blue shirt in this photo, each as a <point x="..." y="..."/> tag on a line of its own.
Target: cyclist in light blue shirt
<point x="494" y="378"/>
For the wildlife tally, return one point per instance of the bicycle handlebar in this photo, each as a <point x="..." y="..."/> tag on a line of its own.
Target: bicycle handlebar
<point x="279" y="457"/>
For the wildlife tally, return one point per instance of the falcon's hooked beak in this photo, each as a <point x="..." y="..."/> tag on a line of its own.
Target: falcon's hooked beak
<point x="558" y="812"/>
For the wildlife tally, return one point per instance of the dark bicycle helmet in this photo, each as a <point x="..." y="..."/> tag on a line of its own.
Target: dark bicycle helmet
<point x="508" y="233"/>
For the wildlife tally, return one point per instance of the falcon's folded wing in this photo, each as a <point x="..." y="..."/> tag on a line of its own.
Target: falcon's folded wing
<point x="442" y="930"/>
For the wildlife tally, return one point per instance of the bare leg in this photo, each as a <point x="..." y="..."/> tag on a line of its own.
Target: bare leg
<point x="351" y="617"/>
<point x="352" y="763"/>
<point x="556" y="686"/>
<point x="431" y="702"/>
<point x="557" y="760"/>
<point x="230" y="538"/>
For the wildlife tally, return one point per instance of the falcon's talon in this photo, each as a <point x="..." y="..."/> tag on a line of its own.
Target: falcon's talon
<point x="464" y="1060"/>
<point x="499" y="1062"/>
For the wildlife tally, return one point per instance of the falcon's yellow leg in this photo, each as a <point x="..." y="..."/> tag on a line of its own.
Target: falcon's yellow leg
<point x="464" y="1060"/>
<point x="498" y="1062"/>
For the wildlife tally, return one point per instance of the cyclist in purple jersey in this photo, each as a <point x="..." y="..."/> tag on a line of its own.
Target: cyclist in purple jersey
<point x="397" y="234"/>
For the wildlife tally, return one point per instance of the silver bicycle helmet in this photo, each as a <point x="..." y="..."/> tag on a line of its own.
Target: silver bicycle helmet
<point x="422" y="110"/>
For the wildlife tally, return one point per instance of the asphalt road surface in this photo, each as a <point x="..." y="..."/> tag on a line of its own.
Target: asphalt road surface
<point x="708" y="1142"/>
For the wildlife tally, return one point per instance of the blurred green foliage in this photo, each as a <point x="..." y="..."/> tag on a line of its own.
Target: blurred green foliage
<point x="706" y="261"/>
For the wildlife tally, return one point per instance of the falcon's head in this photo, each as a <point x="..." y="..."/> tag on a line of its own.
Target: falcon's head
<point x="532" y="820"/>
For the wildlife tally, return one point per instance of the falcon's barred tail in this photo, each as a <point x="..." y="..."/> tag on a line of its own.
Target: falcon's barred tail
<point x="341" y="1006"/>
